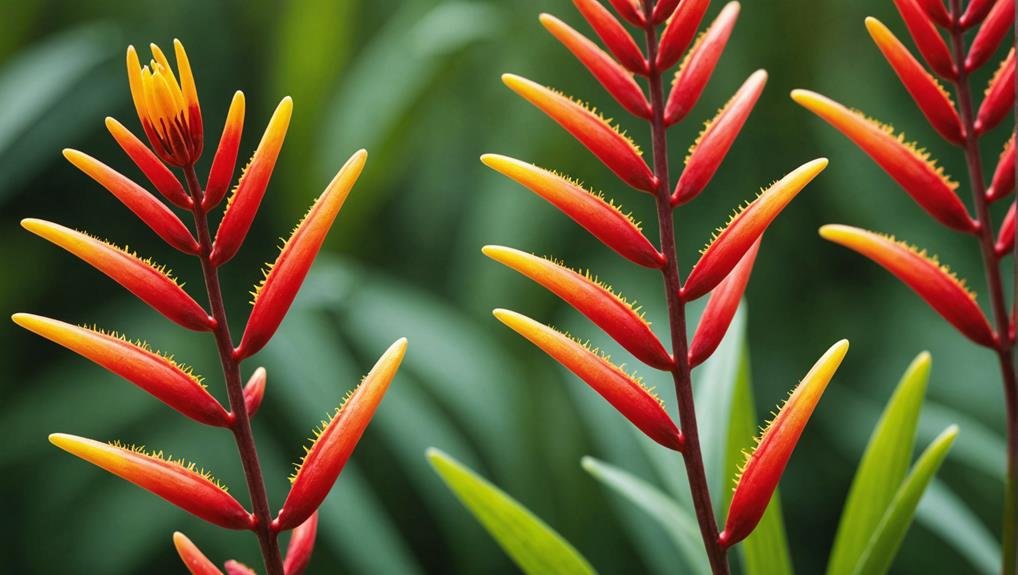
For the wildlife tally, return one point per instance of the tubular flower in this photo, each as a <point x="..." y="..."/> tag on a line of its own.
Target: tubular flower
<point x="234" y="567"/>
<point x="614" y="36"/>
<point x="602" y="219"/>
<point x="744" y="228"/>
<point x="174" y="480"/>
<point x="150" y="283"/>
<point x="154" y="169"/>
<point x="717" y="137"/>
<point x="997" y="24"/>
<point x="247" y="196"/>
<point x="763" y="468"/>
<point x="173" y="384"/>
<point x="680" y="31"/>
<point x="663" y="9"/>
<point x="273" y="297"/>
<point x="168" y="110"/>
<point x="927" y="39"/>
<point x="999" y="98"/>
<point x="224" y="162"/>
<point x="302" y="543"/>
<point x="928" y="94"/>
<point x="195" y="561"/>
<point x="631" y="10"/>
<point x="928" y="278"/>
<point x="150" y="210"/>
<point x="616" y="80"/>
<point x="721" y="308"/>
<point x="1005" y="237"/>
<point x="911" y="168"/>
<point x="608" y="311"/>
<point x="254" y="391"/>
<point x="694" y="73"/>
<point x="975" y="12"/>
<point x="615" y="150"/>
<point x="333" y="445"/>
<point x="937" y="12"/>
<point x="626" y="394"/>
<point x="1002" y="183"/>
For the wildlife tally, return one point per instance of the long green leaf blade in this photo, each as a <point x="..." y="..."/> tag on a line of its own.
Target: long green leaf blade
<point x="532" y="544"/>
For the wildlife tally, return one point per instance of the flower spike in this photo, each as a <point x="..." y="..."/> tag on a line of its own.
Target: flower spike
<point x="937" y="12"/>
<point x="997" y="25"/>
<point x="169" y="112"/>
<point x="615" y="150"/>
<point x="663" y="9"/>
<point x="680" y="31"/>
<point x="763" y="468"/>
<point x="1005" y="238"/>
<point x="975" y="12"/>
<point x="721" y="308"/>
<point x="154" y="169"/>
<point x="275" y="294"/>
<point x="150" y="210"/>
<point x="631" y="10"/>
<point x="225" y="160"/>
<point x="927" y="39"/>
<point x="234" y="567"/>
<point x="928" y="278"/>
<point x="173" y="384"/>
<point x="614" y="36"/>
<point x="744" y="228"/>
<point x="928" y="94"/>
<point x="326" y="457"/>
<point x="694" y="73"/>
<point x="302" y="543"/>
<point x="1002" y="183"/>
<point x="709" y="150"/>
<point x="605" y="221"/>
<point x="608" y="311"/>
<point x="999" y="98"/>
<point x="173" y="480"/>
<point x="625" y="393"/>
<point x="910" y="167"/>
<point x="150" y="283"/>
<point x="243" y="204"/>
<point x="616" y="80"/>
<point x="254" y="391"/>
<point x="195" y="561"/>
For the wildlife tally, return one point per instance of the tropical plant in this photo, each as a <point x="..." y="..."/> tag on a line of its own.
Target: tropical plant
<point x="964" y="125"/>
<point x="170" y="115"/>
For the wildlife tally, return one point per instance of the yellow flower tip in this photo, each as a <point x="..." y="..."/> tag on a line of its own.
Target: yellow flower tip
<point x="493" y="160"/>
<point x="64" y="441"/>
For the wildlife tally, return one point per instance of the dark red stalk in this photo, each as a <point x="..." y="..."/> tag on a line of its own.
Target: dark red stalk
<point x="234" y="386"/>
<point x="691" y="453"/>
<point x="1004" y="347"/>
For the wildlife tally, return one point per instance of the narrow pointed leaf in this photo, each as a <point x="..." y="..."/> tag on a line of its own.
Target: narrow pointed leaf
<point x="254" y="391"/>
<point x="996" y="26"/>
<point x="615" y="37"/>
<point x="975" y="12"/>
<point x="247" y="196"/>
<point x="604" y="220"/>
<point x="763" y="470"/>
<point x="534" y="546"/>
<point x="335" y="443"/>
<point x="224" y="163"/>
<point x="926" y="276"/>
<point x="272" y="298"/>
<point x="663" y="9"/>
<point x="177" y="482"/>
<point x="881" y="470"/>
<point x="744" y="228"/>
<point x="929" y="95"/>
<point x="937" y="12"/>
<point x="1005" y="237"/>
<point x="999" y="99"/>
<point x="302" y="543"/>
<point x="718" y="135"/>
<point x="721" y="307"/>
<point x="195" y="561"/>
<point x="927" y="38"/>
<point x="234" y="567"/>
<point x="150" y="210"/>
<point x="154" y="169"/>
<point x="150" y="283"/>
<point x="616" y="80"/>
<point x="173" y="384"/>
<point x="618" y="152"/>
<point x="910" y="167"/>
<point x="625" y="393"/>
<point x="695" y="71"/>
<point x="679" y="32"/>
<point x="888" y="535"/>
<point x="607" y="310"/>
<point x="1002" y="184"/>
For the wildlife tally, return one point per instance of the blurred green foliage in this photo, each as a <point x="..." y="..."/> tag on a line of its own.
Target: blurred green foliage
<point x="416" y="82"/>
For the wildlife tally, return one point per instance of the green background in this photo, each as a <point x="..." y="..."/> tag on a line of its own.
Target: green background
<point x="417" y="84"/>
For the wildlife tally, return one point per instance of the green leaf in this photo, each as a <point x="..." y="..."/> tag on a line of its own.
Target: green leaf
<point x="676" y="521"/>
<point x="535" y="547"/>
<point x="882" y="469"/>
<point x="765" y="551"/>
<point x="944" y="513"/>
<point x="884" y="543"/>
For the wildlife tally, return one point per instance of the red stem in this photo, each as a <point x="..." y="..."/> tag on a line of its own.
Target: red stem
<point x="1005" y="347"/>
<point x="241" y="426"/>
<point x="691" y="453"/>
